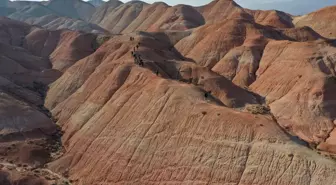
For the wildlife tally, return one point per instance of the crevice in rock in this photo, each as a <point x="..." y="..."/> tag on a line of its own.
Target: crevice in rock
<point x="293" y="138"/>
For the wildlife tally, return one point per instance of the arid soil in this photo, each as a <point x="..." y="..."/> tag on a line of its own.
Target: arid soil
<point x="217" y="94"/>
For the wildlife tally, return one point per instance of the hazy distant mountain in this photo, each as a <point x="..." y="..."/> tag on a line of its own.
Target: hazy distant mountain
<point x="3" y="3"/>
<point x="50" y="16"/>
<point x="96" y="3"/>
<point x="104" y="10"/>
<point x="72" y="8"/>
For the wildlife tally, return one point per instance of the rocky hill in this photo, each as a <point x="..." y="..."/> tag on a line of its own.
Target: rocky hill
<point x="140" y="16"/>
<point x="217" y="94"/>
<point x="52" y="15"/>
<point x="322" y="21"/>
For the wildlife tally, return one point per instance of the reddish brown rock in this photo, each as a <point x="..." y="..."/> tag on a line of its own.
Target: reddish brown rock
<point x="272" y="18"/>
<point x="63" y="47"/>
<point x="240" y="100"/>
<point x="139" y="16"/>
<point x="220" y="10"/>
<point x="209" y="44"/>
<point x="125" y="124"/>
<point x="297" y="81"/>
<point x="25" y="74"/>
<point x="321" y="21"/>
<point x="240" y="65"/>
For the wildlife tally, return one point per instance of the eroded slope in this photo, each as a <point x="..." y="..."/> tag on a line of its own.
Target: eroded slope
<point x="29" y="137"/>
<point x="139" y="16"/>
<point x="126" y="124"/>
<point x="322" y="21"/>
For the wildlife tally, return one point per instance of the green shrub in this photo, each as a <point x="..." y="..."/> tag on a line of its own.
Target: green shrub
<point x="99" y="41"/>
<point x="257" y="109"/>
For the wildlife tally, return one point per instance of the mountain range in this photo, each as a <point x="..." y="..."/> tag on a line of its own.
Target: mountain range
<point x="95" y="93"/>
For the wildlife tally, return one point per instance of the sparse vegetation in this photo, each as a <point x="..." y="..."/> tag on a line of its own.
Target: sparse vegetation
<point x="326" y="154"/>
<point x="313" y="146"/>
<point x="207" y="94"/>
<point x="257" y="109"/>
<point x="272" y="140"/>
<point x="194" y="81"/>
<point x="204" y="113"/>
<point x="99" y="41"/>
